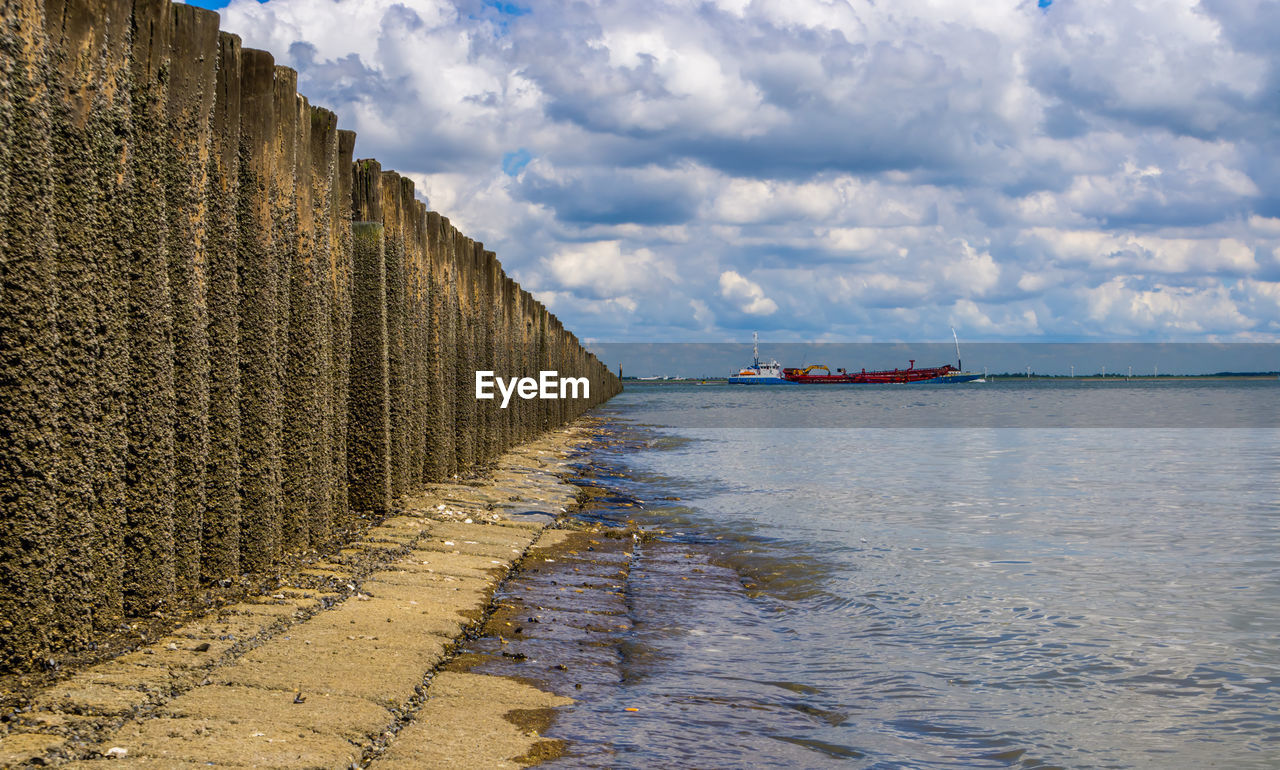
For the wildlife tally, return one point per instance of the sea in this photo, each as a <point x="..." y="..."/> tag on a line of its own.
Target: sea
<point x="1026" y="574"/>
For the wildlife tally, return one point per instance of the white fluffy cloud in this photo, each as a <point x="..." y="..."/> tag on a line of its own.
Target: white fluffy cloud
<point x="746" y="295"/>
<point x="1097" y="169"/>
<point x="605" y="270"/>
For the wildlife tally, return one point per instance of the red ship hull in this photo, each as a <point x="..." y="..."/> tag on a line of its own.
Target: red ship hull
<point x="885" y="377"/>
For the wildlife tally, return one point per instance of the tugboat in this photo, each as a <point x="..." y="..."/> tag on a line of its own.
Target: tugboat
<point x="758" y="373"/>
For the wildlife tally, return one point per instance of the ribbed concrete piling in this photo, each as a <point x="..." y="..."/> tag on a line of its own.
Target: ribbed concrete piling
<point x="343" y="276"/>
<point x="192" y="83"/>
<point x="369" y="429"/>
<point x="221" y="338"/>
<point x="259" y="356"/>
<point x="323" y="157"/>
<point x="150" y="484"/>
<point x="111" y="126"/>
<point x="220" y="529"/>
<point x="396" y="304"/>
<point x="28" y="367"/>
<point x="439" y="427"/>
<point x="75" y="51"/>
<point x="303" y="416"/>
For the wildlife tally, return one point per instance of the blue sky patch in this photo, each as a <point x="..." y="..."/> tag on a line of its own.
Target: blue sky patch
<point x="514" y="162"/>
<point x="215" y="5"/>
<point x="507" y="9"/>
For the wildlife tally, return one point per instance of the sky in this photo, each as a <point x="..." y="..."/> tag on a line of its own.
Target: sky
<point x="830" y="170"/>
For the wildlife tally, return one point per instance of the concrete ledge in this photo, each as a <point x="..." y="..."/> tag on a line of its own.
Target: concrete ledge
<point x="466" y="723"/>
<point x="327" y="677"/>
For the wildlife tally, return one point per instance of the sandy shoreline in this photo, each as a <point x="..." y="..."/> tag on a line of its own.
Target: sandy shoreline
<point x="347" y="662"/>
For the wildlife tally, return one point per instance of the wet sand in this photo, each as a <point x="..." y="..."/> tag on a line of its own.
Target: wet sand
<point x="352" y="659"/>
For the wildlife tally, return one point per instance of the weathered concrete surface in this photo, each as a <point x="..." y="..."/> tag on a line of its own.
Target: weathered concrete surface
<point x="552" y="629"/>
<point x="28" y="416"/>
<point x="259" y="385"/>
<point x="207" y="364"/>
<point x="220" y="528"/>
<point x="192" y="85"/>
<point x="465" y="723"/>
<point x="369" y="459"/>
<point x="335" y="665"/>
<point x="150" y="482"/>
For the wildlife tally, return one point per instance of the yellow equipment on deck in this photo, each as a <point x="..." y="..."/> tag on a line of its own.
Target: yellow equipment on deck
<point x="810" y="368"/>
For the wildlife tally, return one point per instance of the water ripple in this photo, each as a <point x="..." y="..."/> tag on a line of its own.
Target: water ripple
<point x="911" y="598"/>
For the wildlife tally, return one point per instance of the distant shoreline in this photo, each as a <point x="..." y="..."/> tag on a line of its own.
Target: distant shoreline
<point x="1012" y="378"/>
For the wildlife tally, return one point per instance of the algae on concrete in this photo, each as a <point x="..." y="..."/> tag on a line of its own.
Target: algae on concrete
<point x="182" y="312"/>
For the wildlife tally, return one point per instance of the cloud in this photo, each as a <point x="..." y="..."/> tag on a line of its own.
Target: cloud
<point x="1185" y="311"/>
<point x="747" y="295"/>
<point x="601" y="270"/>
<point x="1133" y="253"/>
<point x="1051" y="170"/>
<point x="645" y="196"/>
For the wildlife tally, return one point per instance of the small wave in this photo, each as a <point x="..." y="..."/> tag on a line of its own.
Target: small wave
<point x="835" y="751"/>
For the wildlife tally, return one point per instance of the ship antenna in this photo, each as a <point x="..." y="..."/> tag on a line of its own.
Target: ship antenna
<point x="959" y="365"/>
<point x="755" y="348"/>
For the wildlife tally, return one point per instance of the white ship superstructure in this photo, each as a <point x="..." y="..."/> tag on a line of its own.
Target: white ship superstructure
<point x="758" y="373"/>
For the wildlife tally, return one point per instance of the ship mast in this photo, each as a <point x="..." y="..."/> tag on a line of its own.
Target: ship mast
<point x="755" y="348"/>
<point x="959" y="365"/>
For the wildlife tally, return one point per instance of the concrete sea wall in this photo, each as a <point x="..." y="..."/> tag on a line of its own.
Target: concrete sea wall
<point x="223" y="339"/>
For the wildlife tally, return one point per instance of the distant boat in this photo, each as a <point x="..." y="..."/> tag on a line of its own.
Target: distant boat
<point x="758" y="373"/>
<point x="944" y="374"/>
<point x="938" y="374"/>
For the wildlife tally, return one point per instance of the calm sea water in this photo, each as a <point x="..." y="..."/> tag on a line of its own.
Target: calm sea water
<point x="992" y="575"/>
